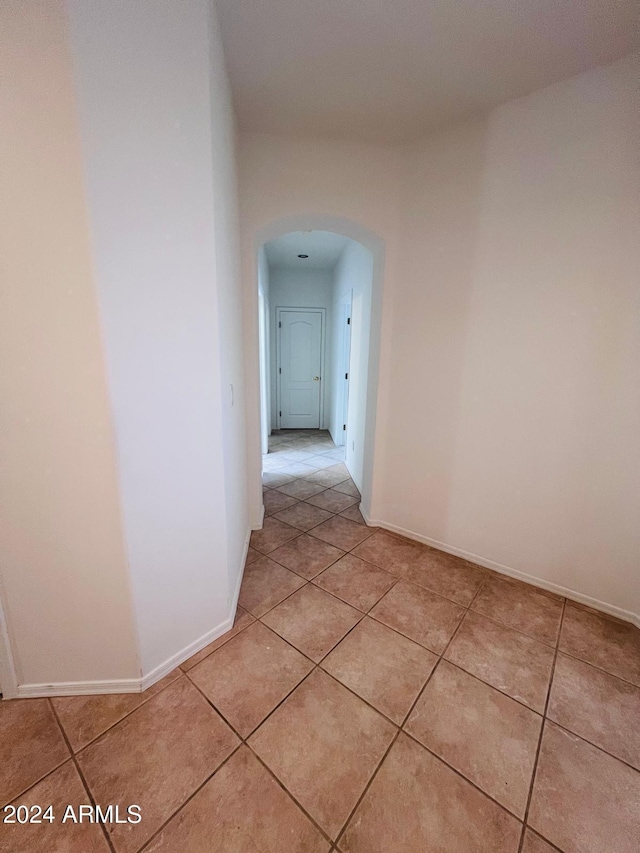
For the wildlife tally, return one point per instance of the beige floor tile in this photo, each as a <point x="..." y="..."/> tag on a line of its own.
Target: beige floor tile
<point x="302" y="489"/>
<point x="60" y="789"/>
<point x="333" y="501"/>
<point x="534" y="844"/>
<point x="275" y="501"/>
<point x="353" y="514"/>
<point x="341" y="532"/>
<point x="320" y="462"/>
<point x="156" y="757"/>
<point x="276" y="479"/>
<point x="242" y="809"/>
<point x="306" y="556"/>
<point x="295" y="455"/>
<point x="252" y="556"/>
<point x="242" y="620"/>
<point x="337" y="453"/>
<point x="303" y="516"/>
<point x="416" y="804"/>
<point x="606" y="643"/>
<point x="490" y="738"/>
<point x="249" y="675"/>
<point x="504" y="658"/>
<point x="312" y="620"/>
<point x="584" y="801"/>
<point x="328" y="478"/>
<point x="389" y="552"/>
<point x="323" y="744"/>
<point x="530" y="610"/>
<point x="340" y="468"/>
<point x="348" y="487"/>
<point x="597" y="706"/>
<point x="382" y="667"/>
<point x="447" y="575"/>
<point x="273" y="534"/>
<point x="358" y="583"/>
<point x="419" y="614"/>
<point x="265" y="584"/>
<point x="83" y="718"/>
<point x="31" y="745"/>
<point x="300" y="469"/>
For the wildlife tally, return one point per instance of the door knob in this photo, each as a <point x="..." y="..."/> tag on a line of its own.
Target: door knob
<point x="316" y="378"/>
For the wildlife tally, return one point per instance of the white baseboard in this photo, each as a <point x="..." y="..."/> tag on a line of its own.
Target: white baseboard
<point x="78" y="688"/>
<point x="138" y="685"/>
<point x="603" y="606"/>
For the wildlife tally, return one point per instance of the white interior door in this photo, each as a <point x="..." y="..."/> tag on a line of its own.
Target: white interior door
<point x="300" y="362"/>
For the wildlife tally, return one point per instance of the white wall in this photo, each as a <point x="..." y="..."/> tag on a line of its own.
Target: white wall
<point x="264" y="291"/>
<point x="304" y="289"/>
<point x="280" y="193"/>
<point x="64" y="570"/>
<point x="230" y="307"/>
<point x="515" y="376"/>
<point x="353" y="272"/>
<point x="157" y="140"/>
<point x="507" y="410"/>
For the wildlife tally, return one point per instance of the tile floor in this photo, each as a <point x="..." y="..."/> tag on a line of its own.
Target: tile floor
<point x="373" y="696"/>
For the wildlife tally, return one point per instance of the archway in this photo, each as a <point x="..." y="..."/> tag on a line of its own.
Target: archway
<point x="370" y="241"/>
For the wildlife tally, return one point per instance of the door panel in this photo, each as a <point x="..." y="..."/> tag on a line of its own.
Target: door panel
<point x="300" y="368"/>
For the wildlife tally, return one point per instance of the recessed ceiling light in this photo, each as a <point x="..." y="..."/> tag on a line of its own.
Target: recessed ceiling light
<point x="303" y="256"/>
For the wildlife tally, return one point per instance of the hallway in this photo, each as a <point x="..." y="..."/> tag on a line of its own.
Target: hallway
<point x="373" y="695"/>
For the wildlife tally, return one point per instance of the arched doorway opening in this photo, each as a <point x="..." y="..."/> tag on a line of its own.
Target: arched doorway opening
<point x="330" y="305"/>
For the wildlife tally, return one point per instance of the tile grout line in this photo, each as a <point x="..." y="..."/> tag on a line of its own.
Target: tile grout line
<point x="317" y="665"/>
<point x="599" y="668"/>
<point x="83" y="779"/>
<point x="591" y="743"/>
<point x="244" y="741"/>
<point x="182" y="805"/>
<point x="324" y="833"/>
<point x="396" y="736"/>
<point x="542" y="728"/>
<point x="38" y="780"/>
<point x="99" y="736"/>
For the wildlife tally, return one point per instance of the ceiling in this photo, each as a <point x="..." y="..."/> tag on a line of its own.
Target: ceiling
<point x="394" y="70"/>
<point x="323" y="248"/>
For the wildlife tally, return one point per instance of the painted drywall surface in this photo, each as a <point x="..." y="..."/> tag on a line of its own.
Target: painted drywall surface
<point x="509" y="329"/>
<point x="66" y="593"/>
<point x="354" y="273"/>
<point x="230" y="313"/>
<point x="264" y="291"/>
<point x="156" y="140"/>
<point x="519" y="309"/>
<point x="295" y="183"/>
<point x="304" y="289"/>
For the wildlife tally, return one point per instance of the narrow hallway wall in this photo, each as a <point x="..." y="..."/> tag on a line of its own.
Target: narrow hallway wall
<point x="354" y="273"/>
<point x="157" y="133"/>
<point x="64" y="570"/>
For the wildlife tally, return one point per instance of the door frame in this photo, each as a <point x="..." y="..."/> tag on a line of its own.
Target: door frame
<point x="345" y="320"/>
<point x="265" y="372"/>
<point x="323" y="333"/>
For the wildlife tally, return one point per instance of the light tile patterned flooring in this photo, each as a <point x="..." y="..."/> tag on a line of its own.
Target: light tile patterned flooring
<point x="373" y="696"/>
